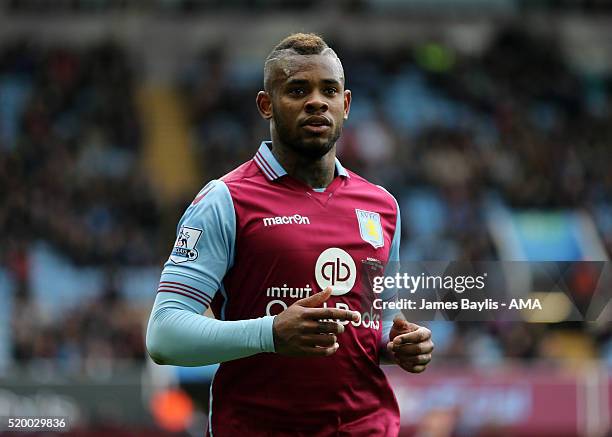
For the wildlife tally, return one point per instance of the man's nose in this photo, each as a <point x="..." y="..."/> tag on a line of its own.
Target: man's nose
<point x="316" y="103"/>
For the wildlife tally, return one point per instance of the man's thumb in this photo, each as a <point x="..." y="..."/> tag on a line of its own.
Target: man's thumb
<point x="400" y="323"/>
<point x="401" y="326"/>
<point x="315" y="300"/>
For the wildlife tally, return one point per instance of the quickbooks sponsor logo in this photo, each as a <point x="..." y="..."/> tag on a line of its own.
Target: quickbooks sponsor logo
<point x="295" y="219"/>
<point x="335" y="268"/>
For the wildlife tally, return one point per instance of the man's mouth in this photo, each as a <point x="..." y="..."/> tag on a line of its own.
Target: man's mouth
<point x="316" y="124"/>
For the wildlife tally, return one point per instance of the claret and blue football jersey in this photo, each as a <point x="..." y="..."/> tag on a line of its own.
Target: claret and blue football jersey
<point x="256" y="241"/>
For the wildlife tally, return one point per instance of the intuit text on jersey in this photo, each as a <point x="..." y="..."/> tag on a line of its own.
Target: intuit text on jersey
<point x="276" y="304"/>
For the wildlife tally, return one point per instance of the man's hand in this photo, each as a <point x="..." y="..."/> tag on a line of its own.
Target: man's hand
<point x="410" y="345"/>
<point x="305" y="330"/>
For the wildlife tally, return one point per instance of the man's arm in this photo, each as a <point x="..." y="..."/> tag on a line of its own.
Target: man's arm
<point x="403" y="343"/>
<point x="179" y="334"/>
<point x="386" y="357"/>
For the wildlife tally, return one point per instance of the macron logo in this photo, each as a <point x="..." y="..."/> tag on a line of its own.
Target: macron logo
<point x="295" y="219"/>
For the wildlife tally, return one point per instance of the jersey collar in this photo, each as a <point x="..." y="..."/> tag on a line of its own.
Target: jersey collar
<point x="272" y="169"/>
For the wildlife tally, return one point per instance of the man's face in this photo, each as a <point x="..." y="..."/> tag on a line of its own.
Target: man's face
<point x="308" y="103"/>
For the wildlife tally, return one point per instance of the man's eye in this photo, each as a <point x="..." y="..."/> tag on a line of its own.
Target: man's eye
<point x="332" y="91"/>
<point x="297" y="91"/>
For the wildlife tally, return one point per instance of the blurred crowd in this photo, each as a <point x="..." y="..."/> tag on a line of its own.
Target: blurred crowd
<point x="430" y="124"/>
<point x="70" y="140"/>
<point x="346" y="6"/>
<point x="95" y="338"/>
<point x="69" y="149"/>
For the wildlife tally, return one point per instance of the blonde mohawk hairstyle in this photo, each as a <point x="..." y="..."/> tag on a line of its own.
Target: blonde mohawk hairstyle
<point x="302" y="44"/>
<point x="296" y="44"/>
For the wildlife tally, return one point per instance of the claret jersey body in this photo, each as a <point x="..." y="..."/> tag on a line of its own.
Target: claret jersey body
<point x="256" y="241"/>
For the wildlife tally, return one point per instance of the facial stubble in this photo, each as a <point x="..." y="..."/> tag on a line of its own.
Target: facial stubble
<point x="299" y="144"/>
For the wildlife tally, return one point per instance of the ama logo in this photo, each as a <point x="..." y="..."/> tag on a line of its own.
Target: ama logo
<point x="184" y="248"/>
<point x="335" y="268"/>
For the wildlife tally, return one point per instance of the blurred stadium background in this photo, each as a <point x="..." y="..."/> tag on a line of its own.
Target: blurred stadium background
<point x="489" y="120"/>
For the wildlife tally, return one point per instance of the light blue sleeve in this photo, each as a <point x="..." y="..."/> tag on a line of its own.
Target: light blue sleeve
<point x="177" y="332"/>
<point x="392" y="269"/>
<point x="204" y="248"/>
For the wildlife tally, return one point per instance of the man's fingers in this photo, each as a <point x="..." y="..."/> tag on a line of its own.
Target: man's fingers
<point x="420" y="335"/>
<point x="316" y="299"/>
<point x="415" y="360"/>
<point x="322" y="327"/>
<point x="319" y="351"/>
<point x="413" y="369"/>
<point x="332" y="314"/>
<point x="410" y="349"/>
<point x="322" y="340"/>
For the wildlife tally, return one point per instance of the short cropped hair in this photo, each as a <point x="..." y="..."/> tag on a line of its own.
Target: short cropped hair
<point x="295" y="44"/>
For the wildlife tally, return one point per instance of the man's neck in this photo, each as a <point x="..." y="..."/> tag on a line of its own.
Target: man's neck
<point x="317" y="173"/>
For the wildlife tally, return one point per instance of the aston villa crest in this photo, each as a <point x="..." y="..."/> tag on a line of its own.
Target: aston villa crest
<point x="370" y="227"/>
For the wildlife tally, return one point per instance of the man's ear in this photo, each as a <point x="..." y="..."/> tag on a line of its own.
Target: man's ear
<point x="347" y="103"/>
<point x="264" y="104"/>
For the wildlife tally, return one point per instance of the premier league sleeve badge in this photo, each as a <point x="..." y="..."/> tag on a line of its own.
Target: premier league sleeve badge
<point x="185" y="246"/>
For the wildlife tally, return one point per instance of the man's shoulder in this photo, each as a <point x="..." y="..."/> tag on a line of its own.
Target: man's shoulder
<point x="223" y="188"/>
<point x="246" y="171"/>
<point x="377" y="192"/>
